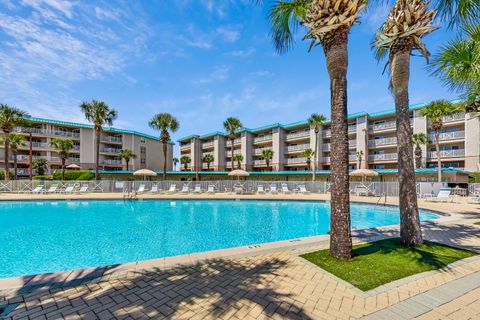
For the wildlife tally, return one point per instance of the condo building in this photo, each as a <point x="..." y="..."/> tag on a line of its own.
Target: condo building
<point x="372" y="135"/>
<point x="41" y="132"/>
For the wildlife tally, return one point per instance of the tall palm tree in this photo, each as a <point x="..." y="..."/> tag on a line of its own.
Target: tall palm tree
<point x="231" y="126"/>
<point x="9" y="119"/>
<point x="175" y="162"/>
<point x="360" y="157"/>
<point x="327" y="22"/>
<point x="308" y="154"/>
<point x="40" y="166"/>
<point x="435" y="111"/>
<point x="16" y="141"/>
<point x="164" y="122"/>
<point x="238" y="158"/>
<point x="185" y="160"/>
<point x="418" y="140"/>
<point x="63" y="147"/>
<point x="407" y="23"/>
<point x="127" y="155"/>
<point x="208" y="158"/>
<point x="99" y="114"/>
<point x="316" y="121"/>
<point x="457" y="65"/>
<point x="267" y="155"/>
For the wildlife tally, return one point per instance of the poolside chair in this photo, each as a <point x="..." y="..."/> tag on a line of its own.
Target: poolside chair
<point x="361" y="190"/>
<point x="302" y="189"/>
<point x="154" y="188"/>
<point x="260" y="189"/>
<point x="238" y="189"/>
<point x="83" y="188"/>
<point x="285" y="188"/>
<point x="198" y="188"/>
<point x="173" y="188"/>
<point x="53" y="188"/>
<point x="273" y="189"/>
<point x="141" y="188"/>
<point x="474" y="200"/>
<point x="442" y="196"/>
<point x="38" y="189"/>
<point x="185" y="189"/>
<point x="69" y="188"/>
<point x="119" y="185"/>
<point x="211" y="188"/>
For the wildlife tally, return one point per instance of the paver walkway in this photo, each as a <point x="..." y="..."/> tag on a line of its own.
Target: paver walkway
<point x="277" y="285"/>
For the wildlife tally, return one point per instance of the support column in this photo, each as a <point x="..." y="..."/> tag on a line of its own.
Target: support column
<point x="247" y="150"/>
<point x="420" y="125"/>
<point x="362" y="140"/>
<point x="472" y="143"/>
<point x="278" y="148"/>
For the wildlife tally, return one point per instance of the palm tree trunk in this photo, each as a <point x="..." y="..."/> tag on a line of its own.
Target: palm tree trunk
<point x="418" y="157"/>
<point x="439" y="160"/>
<point x="97" y="154"/>
<point x="410" y="231"/>
<point x="336" y="53"/>
<point x="15" y="166"/>
<point x="315" y="157"/>
<point x="63" y="168"/>
<point x="6" y="147"/>
<point x="164" y="161"/>
<point x="126" y="162"/>
<point x="232" y="140"/>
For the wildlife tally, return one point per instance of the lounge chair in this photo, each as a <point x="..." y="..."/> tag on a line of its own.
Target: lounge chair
<point x="173" y="188"/>
<point x="83" y="189"/>
<point x="141" y="188"/>
<point x="238" y="189"/>
<point x="185" y="189"/>
<point x="154" y="188"/>
<point x="38" y="189"/>
<point x="260" y="188"/>
<point x="69" y="188"/>
<point x="361" y="190"/>
<point x="442" y="196"/>
<point x="211" y="188"/>
<point x="119" y="185"/>
<point x="53" y="188"/>
<point x="285" y="188"/>
<point x="302" y="189"/>
<point x="474" y="200"/>
<point x="198" y="189"/>
<point x="273" y="189"/>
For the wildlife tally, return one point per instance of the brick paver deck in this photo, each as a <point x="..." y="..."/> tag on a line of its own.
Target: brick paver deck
<point x="277" y="285"/>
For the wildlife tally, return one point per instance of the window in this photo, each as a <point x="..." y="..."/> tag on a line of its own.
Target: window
<point x="143" y="140"/>
<point x="380" y="166"/>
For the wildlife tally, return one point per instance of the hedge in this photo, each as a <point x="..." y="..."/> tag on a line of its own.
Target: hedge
<point x="73" y="175"/>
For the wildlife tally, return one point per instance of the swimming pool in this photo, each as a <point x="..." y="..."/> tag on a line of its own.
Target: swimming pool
<point x="49" y="236"/>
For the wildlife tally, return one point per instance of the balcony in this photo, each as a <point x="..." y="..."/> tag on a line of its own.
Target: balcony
<point x="301" y="160"/>
<point x="352" y="157"/>
<point x="207" y="154"/>
<point x="267" y="137"/>
<point x="110" y="150"/>
<point x="207" y="145"/>
<point x="185" y="147"/>
<point x="112" y="162"/>
<point x="382" y="142"/>
<point x="454" y="135"/>
<point x="32" y="130"/>
<point x="237" y="141"/>
<point x="59" y="160"/>
<point x="260" y="162"/>
<point x="228" y="152"/>
<point x="327" y="133"/>
<point x="297" y="135"/>
<point x="326" y="147"/>
<point x="297" y="148"/>
<point x="111" y="139"/>
<point x="460" y="153"/>
<point x="352" y="128"/>
<point x="352" y="143"/>
<point x="258" y="151"/>
<point x="383" y="157"/>
<point x="454" y="117"/>
<point x="326" y="159"/>
<point x="69" y="134"/>
<point x="383" y="126"/>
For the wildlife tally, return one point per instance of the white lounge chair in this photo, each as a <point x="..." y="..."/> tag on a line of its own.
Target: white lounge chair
<point x="83" y="189"/>
<point x="260" y="188"/>
<point x="273" y="189"/>
<point x="285" y="188"/>
<point x="119" y="185"/>
<point x="302" y="189"/>
<point x="198" y="189"/>
<point x="474" y="200"/>
<point x="173" y="188"/>
<point x="211" y="188"/>
<point x="361" y="190"/>
<point x="442" y="196"/>
<point x="141" y="188"/>
<point x="53" y="188"/>
<point x="69" y="188"/>
<point x="185" y="189"/>
<point x="38" y="189"/>
<point x="154" y="188"/>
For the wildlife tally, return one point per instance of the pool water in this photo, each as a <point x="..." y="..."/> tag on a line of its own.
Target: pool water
<point x="48" y="236"/>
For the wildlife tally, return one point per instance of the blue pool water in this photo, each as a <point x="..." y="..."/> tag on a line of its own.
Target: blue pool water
<point x="46" y="236"/>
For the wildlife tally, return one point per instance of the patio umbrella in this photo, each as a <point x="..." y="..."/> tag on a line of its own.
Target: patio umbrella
<point x="364" y="173"/>
<point x="238" y="173"/>
<point x="73" y="166"/>
<point x="145" y="173"/>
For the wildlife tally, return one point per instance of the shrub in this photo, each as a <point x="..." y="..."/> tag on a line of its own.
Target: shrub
<point x="42" y="178"/>
<point x="86" y="176"/>
<point x="69" y="174"/>
<point x="2" y="175"/>
<point x="474" y="177"/>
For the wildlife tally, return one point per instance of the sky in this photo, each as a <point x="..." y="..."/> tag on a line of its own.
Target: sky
<point x="200" y="60"/>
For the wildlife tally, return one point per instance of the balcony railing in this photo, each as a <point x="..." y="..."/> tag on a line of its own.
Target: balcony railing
<point x="301" y="160"/>
<point x="32" y="130"/>
<point x="185" y="147"/>
<point x="112" y="162"/>
<point x="454" y="135"/>
<point x="352" y="143"/>
<point x="260" y="162"/>
<point x="70" y="134"/>
<point x="352" y="157"/>
<point x="382" y="142"/>
<point x="58" y="133"/>
<point x="352" y="128"/>
<point x="258" y="151"/>
<point x="207" y="154"/>
<point x="112" y="139"/>
<point x="299" y="147"/>
<point x="383" y="157"/>
<point x="454" y="117"/>
<point x="383" y="126"/>
<point x="228" y="152"/>
<point x="111" y="150"/>
<point x="326" y="147"/>
<point x="326" y="159"/>
<point x="206" y="145"/>
<point x="327" y="133"/>
<point x="447" y="154"/>
<point x="267" y="137"/>
<point x="236" y="141"/>
<point x="296" y="135"/>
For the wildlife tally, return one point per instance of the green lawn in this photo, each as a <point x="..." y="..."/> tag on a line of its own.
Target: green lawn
<point x="477" y="223"/>
<point x="384" y="261"/>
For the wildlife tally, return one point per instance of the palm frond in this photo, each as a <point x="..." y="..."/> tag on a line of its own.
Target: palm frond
<point x="457" y="12"/>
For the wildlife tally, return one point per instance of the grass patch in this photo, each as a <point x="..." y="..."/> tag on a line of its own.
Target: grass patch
<point x="477" y="223"/>
<point x="384" y="261"/>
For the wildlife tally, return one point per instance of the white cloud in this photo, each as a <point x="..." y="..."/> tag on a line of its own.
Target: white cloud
<point x="242" y="52"/>
<point x="228" y="34"/>
<point x="219" y="73"/>
<point x="261" y="73"/>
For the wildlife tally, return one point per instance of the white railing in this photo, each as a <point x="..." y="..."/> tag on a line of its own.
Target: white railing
<point x="228" y="152"/>
<point x="111" y="139"/>
<point x="207" y="144"/>
<point x="352" y="143"/>
<point x="382" y="142"/>
<point x="70" y="134"/>
<point x="258" y="151"/>
<point x="210" y="153"/>
<point x="383" y="126"/>
<point x="299" y="134"/>
<point x="352" y="157"/>
<point x="352" y="128"/>
<point x="454" y="117"/>
<point x="326" y="146"/>
<point x="301" y="160"/>
<point x="259" y="162"/>
<point x="383" y="157"/>
<point x="299" y="147"/>
<point x="447" y="154"/>
<point x="237" y="141"/>
<point x="327" y="133"/>
<point x="110" y="150"/>
<point x="267" y="137"/>
<point x="326" y="159"/>
<point x="453" y="135"/>
<point x="185" y="147"/>
<point x="112" y="162"/>
<point x="32" y="130"/>
<point x="39" y="145"/>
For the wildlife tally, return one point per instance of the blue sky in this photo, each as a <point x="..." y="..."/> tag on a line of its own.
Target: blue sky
<point x="201" y="60"/>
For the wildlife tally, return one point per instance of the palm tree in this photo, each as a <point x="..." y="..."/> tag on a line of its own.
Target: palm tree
<point x="267" y="155"/>
<point x="164" y="122"/>
<point x="231" y="126"/>
<point x="99" y="114"/>
<point x="360" y="157"/>
<point x="457" y="65"/>
<point x="16" y="141"/>
<point x="40" y="166"/>
<point x="328" y="23"/>
<point x="435" y="111"/>
<point x="308" y="154"/>
<point x="407" y="23"/>
<point x="316" y="121"/>
<point x="127" y="155"/>
<point x="63" y="147"/>
<point x="208" y="158"/>
<point x="238" y="158"/>
<point x="9" y="119"/>
<point x="418" y="140"/>
<point x="175" y="162"/>
<point x="185" y="160"/>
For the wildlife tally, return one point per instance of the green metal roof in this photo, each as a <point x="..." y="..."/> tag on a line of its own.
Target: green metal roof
<point x="89" y="126"/>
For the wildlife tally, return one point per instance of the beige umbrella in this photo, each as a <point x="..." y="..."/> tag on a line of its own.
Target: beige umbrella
<point x="238" y="173"/>
<point x="364" y="173"/>
<point x="73" y="166"/>
<point x="145" y="173"/>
